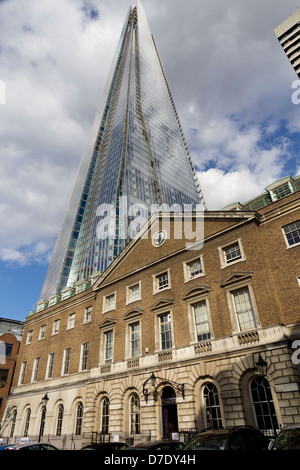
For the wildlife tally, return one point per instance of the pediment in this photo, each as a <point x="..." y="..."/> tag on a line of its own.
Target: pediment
<point x="236" y="277"/>
<point x="133" y="313"/>
<point x="108" y="322"/>
<point x="142" y="252"/>
<point x="196" y="291"/>
<point x="162" y="303"/>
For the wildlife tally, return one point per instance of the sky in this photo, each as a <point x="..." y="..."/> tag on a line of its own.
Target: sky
<point x="230" y="80"/>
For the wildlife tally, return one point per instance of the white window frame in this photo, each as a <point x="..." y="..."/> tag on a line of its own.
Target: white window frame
<point x="22" y="373"/>
<point x="35" y="369"/>
<point x="107" y="347"/>
<point x="56" y="325"/>
<point x="132" y="317"/>
<point x="106" y="326"/>
<point x="233" y="313"/>
<point x="42" y="332"/>
<point x="222" y="253"/>
<point x="50" y="365"/>
<point x="71" y="321"/>
<point x="192" y="307"/>
<point x="105" y="417"/>
<point x="132" y="341"/>
<point x="129" y="298"/>
<point x="134" y="414"/>
<point x="285" y="237"/>
<point x="88" y="314"/>
<point x="161" y="332"/>
<point x="82" y="350"/>
<point x="106" y="306"/>
<point x="278" y="185"/>
<point x="193" y="297"/>
<point x="186" y="269"/>
<point x="64" y="363"/>
<point x="29" y="337"/>
<point x="156" y="277"/>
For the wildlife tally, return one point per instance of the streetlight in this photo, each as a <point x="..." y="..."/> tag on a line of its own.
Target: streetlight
<point x="152" y="379"/>
<point x="43" y="415"/>
<point x="262" y="366"/>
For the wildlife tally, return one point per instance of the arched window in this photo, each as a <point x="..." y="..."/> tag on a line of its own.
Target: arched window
<point x="27" y="421"/>
<point x="43" y="419"/>
<point x="134" y="414"/>
<point x="263" y="405"/>
<point x="211" y="406"/>
<point x="13" y="423"/>
<point x="79" y="418"/>
<point x="60" y="416"/>
<point x="105" y="415"/>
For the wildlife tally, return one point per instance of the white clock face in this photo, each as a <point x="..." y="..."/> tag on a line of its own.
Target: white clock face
<point x="159" y="238"/>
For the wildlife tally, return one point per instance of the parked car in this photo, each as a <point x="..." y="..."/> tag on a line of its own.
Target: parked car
<point x="237" y="438"/>
<point x="158" y="445"/>
<point x="106" y="446"/>
<point x="287" y="439"/>
<point x="29" y="446"/>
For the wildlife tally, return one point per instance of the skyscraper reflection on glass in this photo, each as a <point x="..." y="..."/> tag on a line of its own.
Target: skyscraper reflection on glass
<point x="136" y="157"/>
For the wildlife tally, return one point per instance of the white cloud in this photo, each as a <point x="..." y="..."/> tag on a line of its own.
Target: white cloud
<point x="229" y="77"/>
<point x="223" y="188"/>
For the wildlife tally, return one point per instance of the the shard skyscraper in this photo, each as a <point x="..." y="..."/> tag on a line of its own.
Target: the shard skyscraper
<point x="136" y="156"/>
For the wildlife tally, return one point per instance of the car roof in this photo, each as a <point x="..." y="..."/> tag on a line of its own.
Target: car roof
<point x="25" y="444"/>
<point x="105" y="444"/>
<point x="214" y="431"/>
<point x="226" y="430"/>
<point x="154" y="443"/>
<point x="292" y="426"/>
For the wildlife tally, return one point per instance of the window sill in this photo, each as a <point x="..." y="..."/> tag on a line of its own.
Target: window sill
<point x="161" y="290"/>
<point x="227" y="265"/>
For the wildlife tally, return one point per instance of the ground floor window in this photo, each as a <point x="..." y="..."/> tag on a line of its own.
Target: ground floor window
<point x="105" y="416"/>
<point x="60" y="416"/>
<point x="263" y="405"/>
<point x="134" y="408"/>
<point x="27" y="422"/>
<point x="79" y="418"/>
<point x="211" y="405"/>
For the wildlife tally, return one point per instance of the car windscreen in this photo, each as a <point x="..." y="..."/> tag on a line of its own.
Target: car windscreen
<point x="208" y="442"/>
<point x="288" y="440"/>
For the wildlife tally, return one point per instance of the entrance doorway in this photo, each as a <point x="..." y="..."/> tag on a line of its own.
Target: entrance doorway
<point x="169" y="412"/>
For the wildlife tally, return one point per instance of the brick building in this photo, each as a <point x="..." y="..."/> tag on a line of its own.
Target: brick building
<point x="10" y="338"/>
<point x="168" y="338"/>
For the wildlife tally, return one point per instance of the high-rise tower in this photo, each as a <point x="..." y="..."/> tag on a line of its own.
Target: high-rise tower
<point x="136" y="157"/>
<point x="288" y="34"/>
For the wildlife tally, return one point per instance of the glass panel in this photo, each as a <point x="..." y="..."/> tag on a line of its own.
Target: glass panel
<point x="135" y="339"/>
<point x="292" y="233"/>
<point x="108" y="346"/>
<point x="232" y="253"/>
<point x="194" y="268"/>
<point x="137" y="151"/>
<point x="244" y="309"/>
<point x="166" y="331"/>
<point x="162" y="281"/>
<point x="211" y="406"/>
<point x="201" y="321"/>
<point x="134" y="414"/>
<point x="263" y="405"/>
<point x="105" y="416"/>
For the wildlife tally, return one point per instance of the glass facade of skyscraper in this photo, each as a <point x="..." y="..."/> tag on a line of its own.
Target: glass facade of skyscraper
<point x="136" y="157"/>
